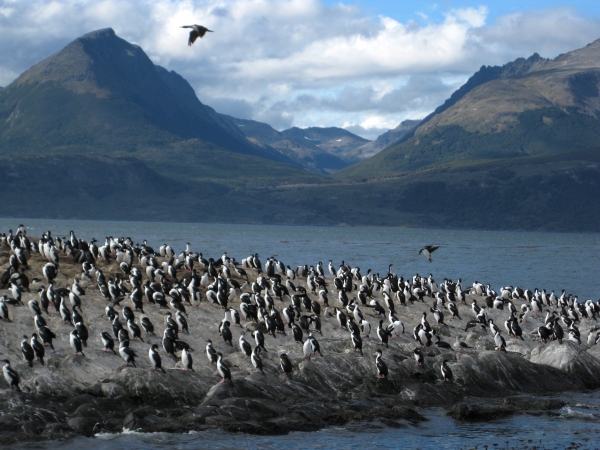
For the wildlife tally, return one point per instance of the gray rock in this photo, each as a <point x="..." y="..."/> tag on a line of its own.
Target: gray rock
<point x="570" y="358"/>
<point x="83" y="426"/>
<point x="31" y="426"/>
<point x="112" y="390"/>
<point x="58" y="431"/>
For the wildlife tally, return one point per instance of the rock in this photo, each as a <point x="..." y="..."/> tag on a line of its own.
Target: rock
<point x="570" y="358"/>
<point x="75" y="402"/>
<point x="131" y="421"/>
<point x="474" y="412"/>
<point x="8" y="421"/>
<point x="529" y="403"/>
<point x="83" y="426"/>
<point x="205" y="411"/>
<point x="491" y="373"/>
<point x="218" y="420"/>
<point x="88" y="411"/>
<point x="139" y="418"/>
<point x="253" y="326"/>
<point x="31" y="426"/>
<point x="58" y="431"/>
<point x="112" y="390"/>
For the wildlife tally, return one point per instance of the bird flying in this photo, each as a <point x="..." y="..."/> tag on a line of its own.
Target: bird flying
<point x="197" y="31"/>
<point x="428" y="250"/>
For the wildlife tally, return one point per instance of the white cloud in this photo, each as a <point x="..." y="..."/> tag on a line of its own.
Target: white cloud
<point x="298" y="62"/>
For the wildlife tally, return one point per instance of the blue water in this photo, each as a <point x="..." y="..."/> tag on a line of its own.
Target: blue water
<point x="543" y="260"/>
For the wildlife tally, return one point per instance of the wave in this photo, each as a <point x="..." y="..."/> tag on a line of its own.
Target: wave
<point x="570" y="413"/>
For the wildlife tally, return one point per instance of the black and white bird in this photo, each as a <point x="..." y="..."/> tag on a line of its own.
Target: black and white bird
<point x="382" y="369"/>
<point x="461" y="346"/>
<point x="446" y="372"/>
<point x="428" y="250"/>
<point x="38" y="348"/>
<point x="286" y="364"/>
<point x="147" y="325"/>
<point x="10" y="375"/>
<point x="259" y="339"/>
<point x="245" y="346"/>
<point x="310" y="347"/>
<point x="198" y="31"/>
<point x="108" y="342"/>
<point x="186" y="360"/>
<point x="76" y="343"/>
<point x="127" y="354"/>
<point x="419" y="356"/>
<point x="357" y="342"/>
<point x="383" y="334"/>
<point x="27" y="351"/>
<point x="256" y="361"/>
<point x="211" y="353"/>
<point x="154" y="357"/>
<point x="499" y="341"/>
<point x="223" y="369"/>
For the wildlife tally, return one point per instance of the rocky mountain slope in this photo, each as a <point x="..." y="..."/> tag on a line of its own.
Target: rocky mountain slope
<point x="385" y="140"/>
<point x="101" y="94"/>
<point x="333" y="140"/>
<point x="527" y="107"/>
<point x="304" y="151"/>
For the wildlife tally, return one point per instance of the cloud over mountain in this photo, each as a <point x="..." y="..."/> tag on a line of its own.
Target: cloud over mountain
<point x="299" y="62"/>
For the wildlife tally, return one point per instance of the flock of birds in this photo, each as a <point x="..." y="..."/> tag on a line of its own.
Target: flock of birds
<point x="187" y="279"/>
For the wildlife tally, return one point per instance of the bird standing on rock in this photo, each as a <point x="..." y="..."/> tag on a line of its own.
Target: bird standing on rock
<point x="286" y="364"/>
<point x="446" y="372"/>
<point x="223" y="369"/>
<point x="10" y="375"/>
<point x="154" y="357"/>
<point x="382" y="369"/>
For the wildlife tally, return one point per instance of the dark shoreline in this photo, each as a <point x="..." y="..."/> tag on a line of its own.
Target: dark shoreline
<point x="245" y="408"/>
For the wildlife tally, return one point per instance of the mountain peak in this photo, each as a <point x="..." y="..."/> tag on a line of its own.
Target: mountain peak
<point x="98" y="63"/>
<point x="101" y="82"/>
<point x="102" y="33"/>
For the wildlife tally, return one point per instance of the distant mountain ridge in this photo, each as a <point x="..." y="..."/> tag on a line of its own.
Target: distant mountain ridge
<point x="386" y="140"/>
<point x="302" y="151"/>
<point x="98" y="131"/>
<point x="526" y="107"/>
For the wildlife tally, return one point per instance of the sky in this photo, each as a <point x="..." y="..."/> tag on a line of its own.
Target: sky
<point x="362" y="65"/>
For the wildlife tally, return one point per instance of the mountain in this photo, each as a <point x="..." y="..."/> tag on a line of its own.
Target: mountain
<point x="335" y="141"/>
<point x="548" y="192"/>
<point x="526" y="107"/>
<point x="385" y="140"/>
<point x="296" y="145"/>
<point x="101" y="94"/>
<point x="97" y="131"/>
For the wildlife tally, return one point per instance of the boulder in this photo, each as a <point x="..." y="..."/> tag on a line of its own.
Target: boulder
<point x="83" y="426"/>
<point x="570" y="358"/>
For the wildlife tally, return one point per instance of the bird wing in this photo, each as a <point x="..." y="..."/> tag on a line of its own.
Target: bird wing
<point x="202" y="31"/>
<point x="193" y="37"/>
<point x="431" y="248"/>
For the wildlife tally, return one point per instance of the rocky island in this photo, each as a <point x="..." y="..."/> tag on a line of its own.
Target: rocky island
<point x="93" y="391"/>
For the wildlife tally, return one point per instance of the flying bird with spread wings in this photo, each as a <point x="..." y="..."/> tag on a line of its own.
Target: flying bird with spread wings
<point x="197" y="31"/>
<point x="428" y="250"/>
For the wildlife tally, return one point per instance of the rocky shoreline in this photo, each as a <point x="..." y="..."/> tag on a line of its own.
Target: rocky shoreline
<point x="73" y="395"/>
